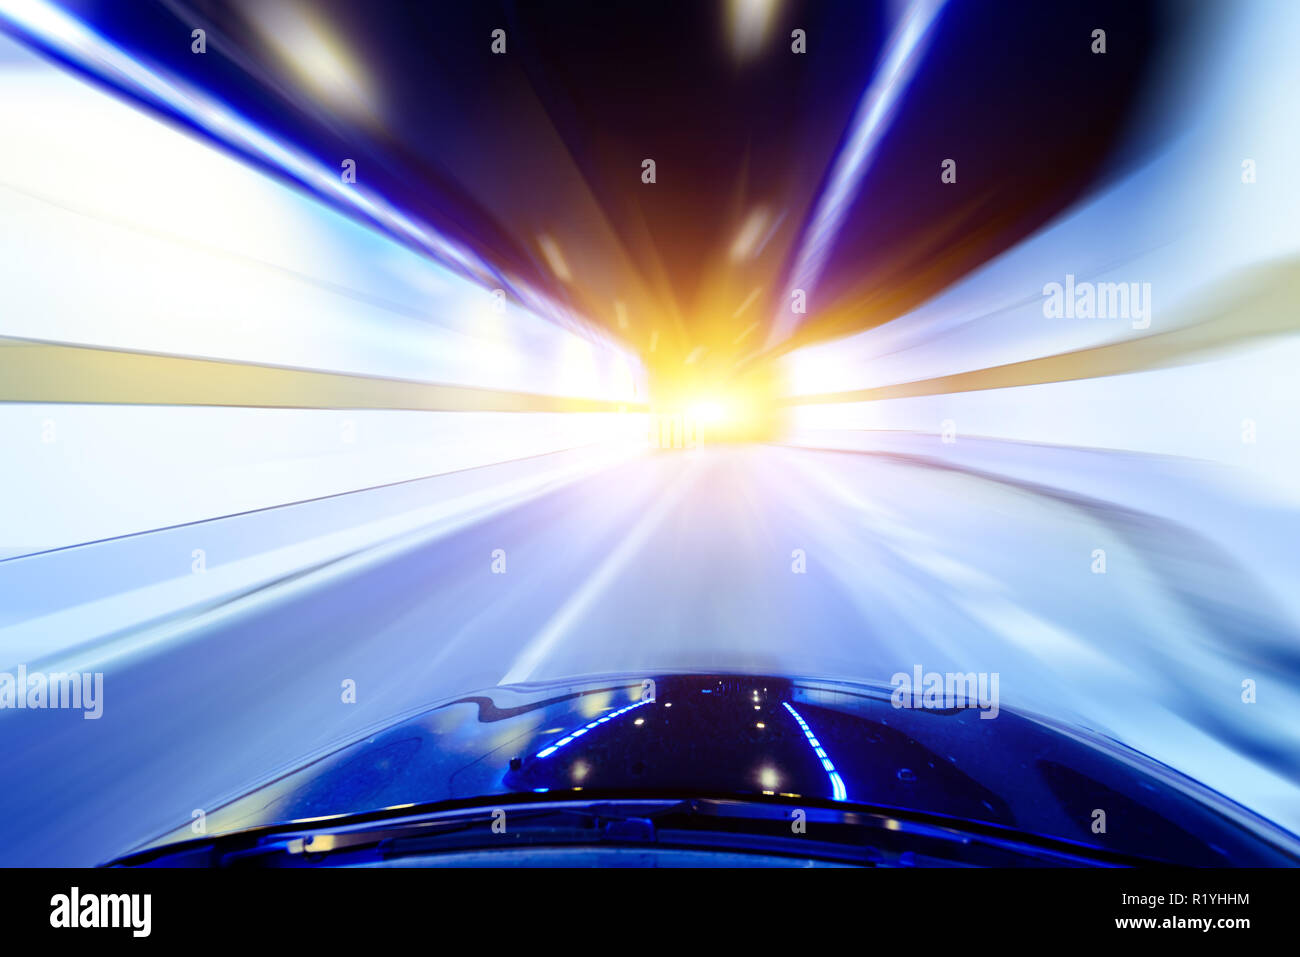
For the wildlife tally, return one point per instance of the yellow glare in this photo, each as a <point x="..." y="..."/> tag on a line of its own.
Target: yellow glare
<point x="593" y="704"/>
<point x="709" y="412"/>
<point x="693" y="406"/>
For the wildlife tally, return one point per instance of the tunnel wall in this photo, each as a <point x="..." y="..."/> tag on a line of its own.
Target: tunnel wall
<point x="135" y="237"/>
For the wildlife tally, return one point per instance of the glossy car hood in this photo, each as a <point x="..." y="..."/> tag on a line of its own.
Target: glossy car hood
<point x="770" y="739"/>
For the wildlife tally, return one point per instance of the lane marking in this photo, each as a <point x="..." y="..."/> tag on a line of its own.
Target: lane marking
<point x="578" y="604"/>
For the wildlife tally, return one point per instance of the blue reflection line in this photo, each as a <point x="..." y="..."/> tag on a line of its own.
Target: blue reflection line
<point x="547" y="752"/>
<point x="838" y="791"/>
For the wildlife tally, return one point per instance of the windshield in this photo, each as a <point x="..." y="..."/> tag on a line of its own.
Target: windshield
<point x="887" y="407"/>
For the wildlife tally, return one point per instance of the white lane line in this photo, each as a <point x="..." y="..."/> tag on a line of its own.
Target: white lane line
<point x="581" y="600"/>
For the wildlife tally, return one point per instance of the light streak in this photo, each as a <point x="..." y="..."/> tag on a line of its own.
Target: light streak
<point x="48" y="26"/>
<point x="574" y="735"/>
<point x="838" y="791"/>
<point x="870" y="122"/>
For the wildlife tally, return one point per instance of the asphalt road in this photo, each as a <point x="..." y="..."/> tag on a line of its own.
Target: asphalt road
<point x="763" y="559"/>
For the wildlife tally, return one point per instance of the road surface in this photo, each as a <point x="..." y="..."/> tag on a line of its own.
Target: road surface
<point x="759" y="558"/>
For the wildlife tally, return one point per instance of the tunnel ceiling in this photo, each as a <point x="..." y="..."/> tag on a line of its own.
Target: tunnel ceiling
<point x="534" y="157"/>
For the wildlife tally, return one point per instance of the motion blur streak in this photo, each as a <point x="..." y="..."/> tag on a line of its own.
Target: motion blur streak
<point x="881" y="98"/>
<point x="266" y="432"/>
<point x="163" y="274"/>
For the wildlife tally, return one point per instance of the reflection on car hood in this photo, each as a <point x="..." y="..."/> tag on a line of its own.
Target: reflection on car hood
<point x="770" y="739"/>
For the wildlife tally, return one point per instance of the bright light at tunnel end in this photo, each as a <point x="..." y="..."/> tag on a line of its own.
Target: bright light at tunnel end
<point x="709" y="412"/>
<point x="691" y="410"/>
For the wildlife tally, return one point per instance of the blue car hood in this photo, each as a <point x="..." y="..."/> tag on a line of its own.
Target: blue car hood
<point x="774" y="739"/>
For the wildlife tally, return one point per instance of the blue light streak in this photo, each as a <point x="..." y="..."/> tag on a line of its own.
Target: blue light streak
<point x="838" y="791"/>
<point x="49" y="26"/>
<point x="571" y="736"/>
<point x="871" y="121"/>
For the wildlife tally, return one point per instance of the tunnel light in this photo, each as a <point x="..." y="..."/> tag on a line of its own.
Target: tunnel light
<point x="314" y="54"/>
<point x="749" y="24"/>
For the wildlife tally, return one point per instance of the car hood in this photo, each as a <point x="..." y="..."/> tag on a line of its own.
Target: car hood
<point x="773" y="739"/>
